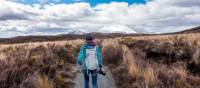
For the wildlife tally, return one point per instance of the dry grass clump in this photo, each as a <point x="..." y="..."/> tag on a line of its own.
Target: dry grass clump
<point x="42" y="81"/>
<point x="111" y="52"/>
<point x="112" y="55"/>
<point x="141" y="71"/>
<point x="46" y="64"/>
<point x="166" y="61"/>
<point x="170" y="49"/>
<point x="137" y="72"/>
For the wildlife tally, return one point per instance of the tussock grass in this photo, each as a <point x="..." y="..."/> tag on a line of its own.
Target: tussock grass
<point x="164" y="61"/>
<point x="43" y="63"/>
<point x="42" y="81"/>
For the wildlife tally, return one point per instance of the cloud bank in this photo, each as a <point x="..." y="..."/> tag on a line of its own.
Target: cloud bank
<point x="158" y="16"/>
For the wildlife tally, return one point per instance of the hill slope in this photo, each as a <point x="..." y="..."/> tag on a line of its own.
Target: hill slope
<point x="117" y="29"/>
<point x="193" y="30"/>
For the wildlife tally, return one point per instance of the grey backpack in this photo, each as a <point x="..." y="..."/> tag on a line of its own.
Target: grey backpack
<point x="91" y="60"/>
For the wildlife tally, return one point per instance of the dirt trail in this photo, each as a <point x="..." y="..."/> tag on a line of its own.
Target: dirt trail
<point x="103" y="81"/>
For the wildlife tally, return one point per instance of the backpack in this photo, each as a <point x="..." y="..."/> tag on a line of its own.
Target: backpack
<point x="91" y="60"/>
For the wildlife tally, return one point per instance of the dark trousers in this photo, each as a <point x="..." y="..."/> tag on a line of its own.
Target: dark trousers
<point x="94" y="75"/>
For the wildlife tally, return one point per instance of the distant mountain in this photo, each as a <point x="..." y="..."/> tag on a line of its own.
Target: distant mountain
<point x="107" y="30"/>
<point x="111" y="31"/>
<point x="192" y="30"/>
<point x="69" y="36"/>
<point x="76" y="32"/>
<point x="117" y="29"/>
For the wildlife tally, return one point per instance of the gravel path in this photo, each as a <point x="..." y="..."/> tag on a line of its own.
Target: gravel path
<point x="103" y="81"/>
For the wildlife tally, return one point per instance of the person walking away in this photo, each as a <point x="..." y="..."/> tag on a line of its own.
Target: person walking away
<point x="89" y="58"/>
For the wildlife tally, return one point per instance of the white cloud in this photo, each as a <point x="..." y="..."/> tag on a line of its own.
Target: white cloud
<point x="46" y="1"/>
<point x="156" y="16"/>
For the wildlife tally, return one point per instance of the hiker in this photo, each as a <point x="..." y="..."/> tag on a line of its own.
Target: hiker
<point x="90" y="60"/>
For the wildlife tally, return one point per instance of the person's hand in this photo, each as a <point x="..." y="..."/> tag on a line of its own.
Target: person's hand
<point x="100" y="66"/>
<point x="80" y="63"/>
<point x="101" y="71"/>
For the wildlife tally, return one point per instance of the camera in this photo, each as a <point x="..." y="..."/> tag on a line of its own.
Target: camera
<point x="102" y="72"/>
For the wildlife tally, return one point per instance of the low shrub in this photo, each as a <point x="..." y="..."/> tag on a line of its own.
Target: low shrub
<point x="112" y="55"/>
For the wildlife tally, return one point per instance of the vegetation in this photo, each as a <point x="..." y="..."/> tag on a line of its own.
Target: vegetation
<point x="39" y="65"/>
<point x="162" y="61"/>
<point x="168" y="61"/>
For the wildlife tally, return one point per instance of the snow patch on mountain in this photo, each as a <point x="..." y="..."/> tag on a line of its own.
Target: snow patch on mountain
<point x="107" y="29"/>
<point x="116" y="29"/>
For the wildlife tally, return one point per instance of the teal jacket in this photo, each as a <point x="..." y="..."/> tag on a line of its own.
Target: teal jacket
<point x="82" y="55"/>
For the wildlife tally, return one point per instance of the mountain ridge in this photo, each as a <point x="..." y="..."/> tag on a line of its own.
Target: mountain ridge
<point x="75" y="35"/>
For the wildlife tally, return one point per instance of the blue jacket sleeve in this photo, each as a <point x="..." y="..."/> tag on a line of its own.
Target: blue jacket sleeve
<point x="81" y="56"/>
<point x="99" y="57"/>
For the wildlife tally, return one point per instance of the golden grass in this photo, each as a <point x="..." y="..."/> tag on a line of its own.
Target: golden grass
<point x="129" y="60"/>
<point x="136" y="71"/>
<point x="42" y="81"/>
<point x="43" y="57"/>
<point x="31" y="45"/>
<point x="2" y="56"/>
<point x="150" y="76"/>
<point x="190" y="37"/>
<point x="181" y="70"/>
<point x="132" y="62"/>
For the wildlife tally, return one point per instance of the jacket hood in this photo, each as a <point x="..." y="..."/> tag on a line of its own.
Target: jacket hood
<point x="90" y="44"/>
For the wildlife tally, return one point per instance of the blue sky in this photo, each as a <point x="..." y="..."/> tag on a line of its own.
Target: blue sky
<point x="92" y="2"/>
